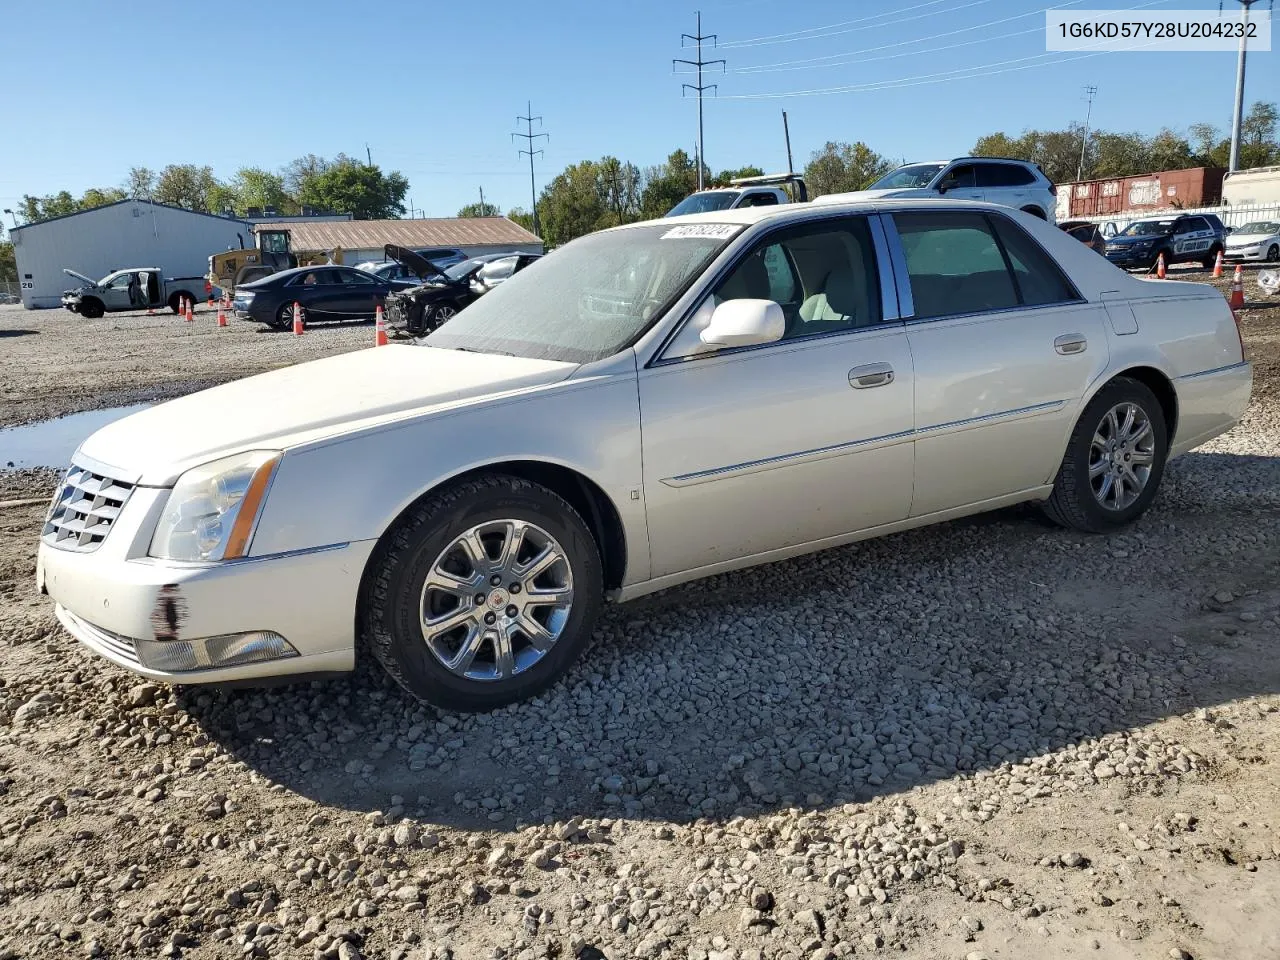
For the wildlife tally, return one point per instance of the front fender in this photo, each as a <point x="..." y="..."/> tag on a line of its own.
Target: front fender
<point x="353" y="488"/>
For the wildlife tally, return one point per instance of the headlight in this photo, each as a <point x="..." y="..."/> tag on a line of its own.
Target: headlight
<point x="212" y="509"/>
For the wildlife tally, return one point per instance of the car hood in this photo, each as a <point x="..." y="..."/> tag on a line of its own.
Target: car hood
<point x="414" y="261"/>
<point x="307" y="403"/>
<point x="1244" y="239"/>
<point x="79" y="276"/>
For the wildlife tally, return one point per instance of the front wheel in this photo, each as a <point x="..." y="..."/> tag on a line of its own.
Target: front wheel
<point x="437" y="315"/>
<point x="91" y="309"/>
<point x="484" y="594"/>
<point x="1273" y="253"/>
<point x="284" y="317"/>
<point x="1211" y="260"/>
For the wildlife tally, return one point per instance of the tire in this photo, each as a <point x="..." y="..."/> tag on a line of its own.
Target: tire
<point x="284" y="317"/>
<point x="1209" y="261"/>
<point x="424" y="548"/>
<point x="1075" y="502"/>
<point x="1273" y="253"/>
<point x="1035" y="212"/>
<point x="437" y="315"/>
<point x="91" y="309"/>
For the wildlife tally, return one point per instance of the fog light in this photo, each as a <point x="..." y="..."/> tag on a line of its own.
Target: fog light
<point x="229" y="650"/>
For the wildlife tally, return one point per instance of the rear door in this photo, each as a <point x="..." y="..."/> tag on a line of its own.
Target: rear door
<point x="1004" y="349"/>
<point x="361" y="293"/>
<point x="1192" y="238"/>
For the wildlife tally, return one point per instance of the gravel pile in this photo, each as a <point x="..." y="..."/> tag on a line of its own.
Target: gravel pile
<point x="987" y="739"/>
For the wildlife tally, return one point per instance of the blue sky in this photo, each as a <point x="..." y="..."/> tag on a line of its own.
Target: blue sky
<point x="434" y="89"/>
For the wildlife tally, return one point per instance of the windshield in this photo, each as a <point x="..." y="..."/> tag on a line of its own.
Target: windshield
<point x="1148" y="228"/>
<point x="460" y="270"/>
<point x="914" y="175"/>
<point x="1260" y="226"/>
<point x="705" y="202"/>
<point x="590" y="298"/>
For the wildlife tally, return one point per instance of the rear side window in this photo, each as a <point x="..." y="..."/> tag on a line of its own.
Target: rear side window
<point x="759" y="200"/>
<point x="1039" y="279"/>
<point x="955" y="264"/>
<point x="1004" y="175"/>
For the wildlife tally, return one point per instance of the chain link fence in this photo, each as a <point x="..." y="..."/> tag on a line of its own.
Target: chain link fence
<point x="10" y="292"/>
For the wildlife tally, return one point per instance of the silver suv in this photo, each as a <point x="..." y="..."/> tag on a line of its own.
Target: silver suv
<point x="1012" y="183"/>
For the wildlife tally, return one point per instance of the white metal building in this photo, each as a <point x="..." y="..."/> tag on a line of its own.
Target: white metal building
<point x="130" y="233"/>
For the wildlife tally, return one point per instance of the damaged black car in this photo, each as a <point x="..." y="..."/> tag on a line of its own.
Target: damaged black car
<point x="419" y="310"/>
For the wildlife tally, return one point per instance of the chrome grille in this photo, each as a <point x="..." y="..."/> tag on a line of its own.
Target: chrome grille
<point x="85" y="509"/>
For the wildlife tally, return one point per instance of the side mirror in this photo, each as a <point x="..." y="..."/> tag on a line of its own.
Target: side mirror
<point x="1230" y="229"/>
<point x="478" y="288"/>
<point x="744" y="323"/>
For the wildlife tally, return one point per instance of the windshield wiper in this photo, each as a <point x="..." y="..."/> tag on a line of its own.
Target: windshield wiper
<point x="501" y="353"/>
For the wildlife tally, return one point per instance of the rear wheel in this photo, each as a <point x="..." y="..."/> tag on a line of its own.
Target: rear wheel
<point x="284" y="317"/>
<point x="1114" y="460"/>
<point x="484" y="594"/>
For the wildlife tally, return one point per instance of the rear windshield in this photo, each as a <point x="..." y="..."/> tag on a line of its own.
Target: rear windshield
<point x="705" y="202"/>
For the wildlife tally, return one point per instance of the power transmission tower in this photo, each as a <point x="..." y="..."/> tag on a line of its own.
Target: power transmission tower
<point x="1089" y="93"/>
<point x="529" y="137"/>
<point x="699" y="87"/>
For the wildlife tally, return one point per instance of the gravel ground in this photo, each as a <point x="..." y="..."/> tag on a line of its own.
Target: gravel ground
<point x="989" y="739"/>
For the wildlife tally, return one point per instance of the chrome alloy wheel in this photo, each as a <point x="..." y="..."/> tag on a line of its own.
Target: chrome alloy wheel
<point x="1121" y="455"/>
<point x="496" y="600"/>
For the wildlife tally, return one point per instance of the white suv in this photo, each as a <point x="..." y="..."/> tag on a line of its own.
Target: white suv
<point x="1012" y="183"/>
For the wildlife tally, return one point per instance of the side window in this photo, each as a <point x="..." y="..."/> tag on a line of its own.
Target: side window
<point x="954" y="263"/>
<point x="823" y="275"/>
<point x="1200" y="223"/>
<point x="961" y="175"/>
<point x="759" y="200"/>
<point x="1039" y="279"/>
<point x="352" y="276"/>
<point x="1003" y="175"/>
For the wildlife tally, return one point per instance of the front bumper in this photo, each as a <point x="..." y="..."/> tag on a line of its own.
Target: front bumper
<point x="1246" y="253"/>
<point x="112" y="597"/>
<point x="1131" y="258"/>
<point x="72" y="305"/>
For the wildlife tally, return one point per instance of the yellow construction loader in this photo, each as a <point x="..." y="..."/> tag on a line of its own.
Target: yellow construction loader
<point x="234" y="267"/>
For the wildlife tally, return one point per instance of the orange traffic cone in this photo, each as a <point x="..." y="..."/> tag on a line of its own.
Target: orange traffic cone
<point x="1236" y="300"/>
<point x="379" y="328"/>
<point x="222" y="313"/>
<point x="182" y="307"/>
<point x="1160" y="273"/>
<point x="1217" y="265"/>
<point x="190" y="312"/>
<point x="298" y="328"/>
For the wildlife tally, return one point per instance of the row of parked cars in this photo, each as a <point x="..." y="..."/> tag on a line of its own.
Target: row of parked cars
<point x="419" y="291"/>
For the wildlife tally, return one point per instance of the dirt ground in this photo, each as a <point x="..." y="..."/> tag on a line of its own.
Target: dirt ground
<point x="1080" y="740"/>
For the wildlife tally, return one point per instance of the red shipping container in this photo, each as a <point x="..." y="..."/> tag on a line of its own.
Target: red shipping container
<point x="1167" y="190"/>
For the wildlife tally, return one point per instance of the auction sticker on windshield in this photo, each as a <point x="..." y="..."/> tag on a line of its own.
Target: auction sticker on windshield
<point x="712" y="231"/>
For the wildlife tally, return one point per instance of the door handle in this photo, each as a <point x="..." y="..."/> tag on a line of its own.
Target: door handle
<point x="1070" y="343"/>
<point x="870" y="375"/>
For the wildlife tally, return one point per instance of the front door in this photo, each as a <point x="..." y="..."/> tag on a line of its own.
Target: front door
<point x="960" y="183"/>
<point x="1004" y="350"/>
<point x="756" y="449"/>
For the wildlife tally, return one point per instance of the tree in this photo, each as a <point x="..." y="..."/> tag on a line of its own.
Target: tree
<point x="480" y="210"/>
<point x="725" y="177"/>
<point x="8" y="263"/>
<point x="842" y="167"/>
<point x="59" y="204"/>
<point x="302" y="171"/>
<point x="521" y="216"/>
<point x="1258" y="147"/>
<point x="620" y="184"/>
<point x="185" y="185"/>
<point x="572" y="204"/>
<point x="255" y="187"/>
<point x="141" y="183"/>
<point x="668" y="184"/>
<point x="101" y="196"/>
<point x="347" y="186"/>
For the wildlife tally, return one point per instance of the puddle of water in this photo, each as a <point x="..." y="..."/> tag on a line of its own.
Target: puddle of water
<point x="50" y="443"/>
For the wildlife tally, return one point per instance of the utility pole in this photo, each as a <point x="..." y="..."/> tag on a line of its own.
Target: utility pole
<point x="699" y="87"/>
<point x="1238" y="117"/>
<point x="482" y="213"/>
<point x="1090" y="92"/>
<point x="529" y="137"/>
<point x="368" y="155"/>
<point x="786" y="132"/>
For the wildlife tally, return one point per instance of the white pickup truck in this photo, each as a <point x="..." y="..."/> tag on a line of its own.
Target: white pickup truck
<point x="137" y="288"/>
<point x="766" y="191"/>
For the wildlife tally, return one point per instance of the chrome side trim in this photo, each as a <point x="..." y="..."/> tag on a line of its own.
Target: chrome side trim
<point x="1047" y="407"/>
<point x="1209" y="373"/>
<point x="786" y="459"/>
<point x="839" y="449"/>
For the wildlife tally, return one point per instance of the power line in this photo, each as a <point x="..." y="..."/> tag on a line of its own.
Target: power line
<point x="699" y="87"/>
<point x="801" y="34"/>
<point x="856" y="29"/>
<point x="529" y="137"/>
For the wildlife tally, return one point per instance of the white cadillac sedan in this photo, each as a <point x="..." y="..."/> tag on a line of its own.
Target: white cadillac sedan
<point x="648" y="405"/>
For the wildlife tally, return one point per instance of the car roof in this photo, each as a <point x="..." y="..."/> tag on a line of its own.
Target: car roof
<point x="831" y="203"/>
